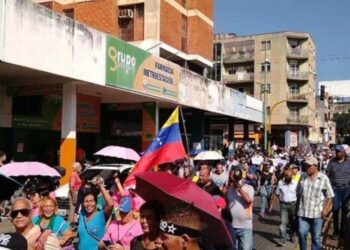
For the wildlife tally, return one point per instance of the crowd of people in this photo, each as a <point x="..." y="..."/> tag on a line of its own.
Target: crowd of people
<point x="308" y="183"/>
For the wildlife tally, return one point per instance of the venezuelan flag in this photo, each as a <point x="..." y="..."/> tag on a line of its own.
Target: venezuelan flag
<point x="166" y="147"/>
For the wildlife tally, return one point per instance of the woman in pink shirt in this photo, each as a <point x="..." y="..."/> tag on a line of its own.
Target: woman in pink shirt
<point x="120" y="232"/>
<point x="74" y="185"/>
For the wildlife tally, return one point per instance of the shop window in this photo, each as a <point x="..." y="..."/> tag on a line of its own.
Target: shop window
<point x="27" y="105"/>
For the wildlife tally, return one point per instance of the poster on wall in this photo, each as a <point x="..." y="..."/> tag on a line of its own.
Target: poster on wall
<point x="293" y="139"/>
<point x="49" y="111"/>
<point x="88" y="114"/>
<point x="135" y="69"/>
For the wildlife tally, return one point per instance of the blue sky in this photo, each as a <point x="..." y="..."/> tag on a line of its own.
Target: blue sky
<point x="328" y="22"/>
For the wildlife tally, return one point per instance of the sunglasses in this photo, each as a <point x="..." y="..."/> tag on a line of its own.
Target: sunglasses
<point x="25" y="212"/>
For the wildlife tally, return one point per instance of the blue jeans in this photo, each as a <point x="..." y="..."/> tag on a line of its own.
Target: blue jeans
<point x="244" y="238"/>
<point x="265" y="194"/>
<point x="287" y="217"/>
<point x="305" y="225"/>
<point x="340" y="202"/>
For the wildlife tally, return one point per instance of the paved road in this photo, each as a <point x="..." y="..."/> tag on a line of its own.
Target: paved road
<point x="266" y="232"/>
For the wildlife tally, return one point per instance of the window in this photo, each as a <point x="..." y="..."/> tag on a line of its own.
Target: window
<point x="294" y="89"/>
<point x="241" y="90"/>
<point x="27" y="105"/>
<point x="294" y="67"/>
<point x="184" y="33"/>
<point x="250" y="69"/>
<point x="268" y="64"/>
<point x="294" y="112"/>
<point x="139" y="9"/>
<point x="217" y="52"/>
<point x="265" y="45"/>
<point x="232" y="71"/>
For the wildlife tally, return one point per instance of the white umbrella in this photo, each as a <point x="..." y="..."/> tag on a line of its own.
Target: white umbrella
<point x="208" y="155"/>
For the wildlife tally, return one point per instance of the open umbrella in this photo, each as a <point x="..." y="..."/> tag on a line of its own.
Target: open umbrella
<point x="208" y="155"/>
<point x="28" y="168"/>
<point x="119" y="152"/>
<point x="7" y="186"/>
<point x="170" y="190"/>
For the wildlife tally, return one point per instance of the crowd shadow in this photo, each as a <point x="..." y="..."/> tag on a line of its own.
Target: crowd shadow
<point x="268" y="236"/>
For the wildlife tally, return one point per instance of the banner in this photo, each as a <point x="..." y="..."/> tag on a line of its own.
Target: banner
<point x="135" y="69"/>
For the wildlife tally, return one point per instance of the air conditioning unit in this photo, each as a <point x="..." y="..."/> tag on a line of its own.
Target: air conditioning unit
<point x="126" y="13"/>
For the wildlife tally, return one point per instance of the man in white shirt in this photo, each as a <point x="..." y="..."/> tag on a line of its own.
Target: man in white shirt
<point x="240" y="198"/>
<point x="286" y="191"/>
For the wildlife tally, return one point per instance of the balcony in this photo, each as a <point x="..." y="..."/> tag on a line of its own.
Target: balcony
<point x="297" y="97"/>
<point x="239" y="77"/>
<point x="298" y="120"/>
<point x="298" y="75"/>
<point x="239" y="57"/>
<point x="297" y="53"/>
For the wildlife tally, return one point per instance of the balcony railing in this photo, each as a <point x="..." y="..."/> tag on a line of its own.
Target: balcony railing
<point x="298" y="53"/>
<point x="299" y="120"/>
<point x="298" y="75"/>
<point x="239" y="57"/>
<point x="297" y="97"/>
<point x="238" y="78"/>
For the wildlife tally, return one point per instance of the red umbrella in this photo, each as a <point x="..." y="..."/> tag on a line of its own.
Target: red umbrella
<point x="170" y="190"/>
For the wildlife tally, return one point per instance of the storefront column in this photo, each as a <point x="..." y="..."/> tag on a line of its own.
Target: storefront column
<point x="198" y="129"/>
<point x="150" y="123"/>
<point x="245" y="131"/>
<point x="287" y="138"/>
<point x="68" y="129"/>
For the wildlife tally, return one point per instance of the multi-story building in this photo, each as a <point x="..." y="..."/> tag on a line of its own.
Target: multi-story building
<point x="339" y="98"/>
<point x="324" y="131"/>
<point x="289" y="58"/>
<point x="180" y="31"/>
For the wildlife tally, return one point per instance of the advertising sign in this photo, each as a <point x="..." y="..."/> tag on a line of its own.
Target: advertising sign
<point x="135" y="69"/>
<point x="88" y="113"/>
<point x="293" y="139"/>
<point x="50" y="117"/>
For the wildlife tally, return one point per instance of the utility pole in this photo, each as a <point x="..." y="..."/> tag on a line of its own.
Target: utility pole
<point x="265" y="97"/>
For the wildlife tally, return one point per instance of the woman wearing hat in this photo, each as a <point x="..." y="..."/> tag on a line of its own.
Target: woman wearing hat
<point x="123" y="228"/>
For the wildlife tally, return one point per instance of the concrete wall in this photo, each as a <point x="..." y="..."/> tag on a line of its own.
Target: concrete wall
<point x="35" y="37"/>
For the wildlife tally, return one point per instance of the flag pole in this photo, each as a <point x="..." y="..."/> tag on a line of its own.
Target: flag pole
<point x="184" y="126"/>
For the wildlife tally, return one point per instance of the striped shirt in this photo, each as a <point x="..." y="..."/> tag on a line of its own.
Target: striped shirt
<point x="339" y="173"/>
<point x="313" y="194"/>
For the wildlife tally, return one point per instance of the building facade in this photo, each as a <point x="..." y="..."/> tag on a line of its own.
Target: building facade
<point x="180" y="31"/>
<point x="338" y="93"/>
<point x="289" y="58"/>
<point x="66" y="86"/>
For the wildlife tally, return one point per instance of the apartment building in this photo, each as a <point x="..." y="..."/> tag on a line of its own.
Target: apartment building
<point x="289" y="58"/>
<point x="179" y="30"/>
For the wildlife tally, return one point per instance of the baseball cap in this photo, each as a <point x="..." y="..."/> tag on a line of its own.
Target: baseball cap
<point x="219" y="201"/>
<point x="126" y="204"/>
<point x="339" y="148"/>
<point x="13" y="241"/>
<point x="311" y="161"/>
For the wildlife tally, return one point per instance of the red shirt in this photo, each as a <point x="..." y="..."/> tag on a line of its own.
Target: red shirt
<point x="74" y="181"/>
